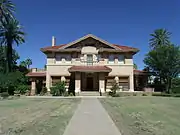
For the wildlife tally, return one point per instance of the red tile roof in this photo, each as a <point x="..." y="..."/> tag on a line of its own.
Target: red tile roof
<point x="140" y="72"/>
<point x="52" y="47"/>
<point x="123" y="48"/>
<point x="36" y="74"/>
<point x="89" y="69"/>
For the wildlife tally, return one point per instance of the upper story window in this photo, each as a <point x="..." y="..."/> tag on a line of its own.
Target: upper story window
<point x="58" y="58"/>
<point x="89" y="59"/>
<point x="111" y="58"/>
<point x="121" y="59"/>
<point x="63" y="58"/>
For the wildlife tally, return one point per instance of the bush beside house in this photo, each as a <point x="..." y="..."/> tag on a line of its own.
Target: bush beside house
<point x="58" y="89"/>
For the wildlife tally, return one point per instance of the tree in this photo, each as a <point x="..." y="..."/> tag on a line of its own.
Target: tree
<point x="28" y="62"/>
<point x="164" y="61"/>
<point x="10" y="33"/>
<point x="15" y="57"/>
<point x="135" y="66"/>
<point x="159" y="37"/>
<point x="23" y="64"/>
<point x="6" y="9"/>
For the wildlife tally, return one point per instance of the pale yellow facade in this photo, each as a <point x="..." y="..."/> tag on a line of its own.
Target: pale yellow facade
<point x="90" y="51"/>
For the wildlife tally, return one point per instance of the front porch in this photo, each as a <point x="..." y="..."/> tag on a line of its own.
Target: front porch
<point x="89" y="78"/>
<point x="82" y="79"/>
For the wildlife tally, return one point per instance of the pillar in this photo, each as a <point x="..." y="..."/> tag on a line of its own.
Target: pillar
<point x="131" y="82"/>
<point x="101" y="82"/>
<point x="77" y="82"/>
<point x="116" y="79"/>
<point x="63" y="79"/>
<point x="33" y="87"/>
<point x="48" y="82"/>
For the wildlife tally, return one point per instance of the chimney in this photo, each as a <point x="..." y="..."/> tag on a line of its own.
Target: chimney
<point x="53" y="41"/>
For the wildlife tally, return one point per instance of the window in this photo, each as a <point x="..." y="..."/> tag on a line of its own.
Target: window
<point x="58" y="58"/>
<point x="121" y="59"/>
<point x="111" y="58"/>
<point x="89" y="60"/>
<point x="61" y="58"/>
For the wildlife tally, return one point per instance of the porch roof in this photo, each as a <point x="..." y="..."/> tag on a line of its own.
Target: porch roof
<point x="140" y="72"/>
<point x="36" y="74"/>
<point x="89" y="69"/>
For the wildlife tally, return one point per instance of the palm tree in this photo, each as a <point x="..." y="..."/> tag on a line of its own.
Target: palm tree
<point x="160" y="37"/>
<point x="10" y="33"/>
<point x="28" y="62"/>
<point x="6" y="9"/>
<point x="23" y="64"/>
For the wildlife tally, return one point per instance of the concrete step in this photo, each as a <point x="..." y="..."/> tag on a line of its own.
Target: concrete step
<point x="89" y="93"/>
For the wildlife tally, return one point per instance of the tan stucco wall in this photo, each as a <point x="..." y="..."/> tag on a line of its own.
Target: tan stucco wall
<point x="126" y="70"/>
<point x="123" y="70"/>
<point x="61" y="68"/>
<point x="89" y="50"/>
<point x="58" y="70"/>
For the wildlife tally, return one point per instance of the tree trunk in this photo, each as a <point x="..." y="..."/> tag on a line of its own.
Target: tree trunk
<point x="168" y="85"/>
<point x="9" y="57"/>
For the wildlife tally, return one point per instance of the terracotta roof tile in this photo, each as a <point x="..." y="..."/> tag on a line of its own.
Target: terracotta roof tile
<point x="140" y="72"/>
<point x="124" y="48"/>
<point x="36" y="74"/>
<point x="52" y="47"/>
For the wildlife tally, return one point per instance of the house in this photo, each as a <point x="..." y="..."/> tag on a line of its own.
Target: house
<point x="86" y="64"/>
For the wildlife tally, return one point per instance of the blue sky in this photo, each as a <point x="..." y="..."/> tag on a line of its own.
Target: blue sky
<point x="124" y="22"/>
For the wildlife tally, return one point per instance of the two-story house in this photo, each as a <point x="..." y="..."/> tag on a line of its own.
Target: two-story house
<point x="87" y="64"/>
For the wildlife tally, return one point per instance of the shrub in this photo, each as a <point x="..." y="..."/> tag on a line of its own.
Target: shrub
<point x="176" y="85"/>
<point x="17" y="93"/>
<point x="58" y="89"/>
<point x="166" y="95"/>
<point x="114" y="89"/>
<point x="144" y="94"/>
<point x="10" y="81"/>
<point x="55" y="91"/>
<point x="43" y="91"/>
<point x="176" y="89"/>
<point x="71" y="94"/>
<point x="4" y="95"/>
<point x="23" y="89"/>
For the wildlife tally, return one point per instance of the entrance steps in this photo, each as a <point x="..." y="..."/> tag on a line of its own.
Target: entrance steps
<point x="89" y="93"/>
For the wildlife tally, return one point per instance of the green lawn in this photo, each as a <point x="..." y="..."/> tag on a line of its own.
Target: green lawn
<point x="36" y="116"/>
<point x="145" y="115"/>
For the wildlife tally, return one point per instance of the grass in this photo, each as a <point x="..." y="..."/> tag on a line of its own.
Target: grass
<point x="145" y="115"/>
<point x="36" y="116"/>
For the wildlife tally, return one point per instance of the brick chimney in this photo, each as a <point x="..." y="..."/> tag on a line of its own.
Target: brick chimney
<point x="53" y="41"/>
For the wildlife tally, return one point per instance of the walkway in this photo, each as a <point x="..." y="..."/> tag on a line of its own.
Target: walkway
<point x="91" y="119"/>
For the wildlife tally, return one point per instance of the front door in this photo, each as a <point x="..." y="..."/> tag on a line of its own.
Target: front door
<point x="89" y="83"/>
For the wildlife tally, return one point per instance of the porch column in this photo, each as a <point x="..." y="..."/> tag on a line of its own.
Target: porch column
<point x="131" y="82"/>
<point x="63" y="79"/>
<point x="77" y="82"/>
<point x="48" y="82"/>
<point x="33" y="87"/>
<point x="101" y="82"/>
<point x="116" y="79"/>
